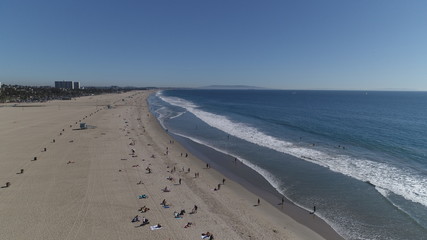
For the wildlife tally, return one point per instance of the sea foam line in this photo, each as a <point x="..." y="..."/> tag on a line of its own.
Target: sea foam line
<point x="404" y="182"/>
<point x="271" y="179"/>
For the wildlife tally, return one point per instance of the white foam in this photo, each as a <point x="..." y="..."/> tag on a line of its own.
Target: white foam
<point x="177" y="115"/>
<point x="161" y="116"/>
<point x="404" y="182"/>
<point x="164" y="113"/>
<point x="383" y="192"/>
<point x="387" y="194"/>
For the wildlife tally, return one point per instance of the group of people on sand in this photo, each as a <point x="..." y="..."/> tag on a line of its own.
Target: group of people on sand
<point x="219" y="185"/>
<point x="144" y="221"/>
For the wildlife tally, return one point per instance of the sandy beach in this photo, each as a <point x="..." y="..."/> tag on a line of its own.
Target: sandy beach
<point x="90" y="183"/>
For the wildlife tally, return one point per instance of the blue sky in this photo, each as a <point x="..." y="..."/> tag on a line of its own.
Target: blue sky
<point x="299" y="44"/>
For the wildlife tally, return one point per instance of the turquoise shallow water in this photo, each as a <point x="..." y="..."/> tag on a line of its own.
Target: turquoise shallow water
<point x="360" y="156"/>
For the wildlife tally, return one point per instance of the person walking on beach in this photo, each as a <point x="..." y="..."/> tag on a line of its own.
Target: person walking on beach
<point x="259" y="202"/>
<point x="314" y="209"/>
<point x="223" y="181"/>
<point x="179" y="181"/>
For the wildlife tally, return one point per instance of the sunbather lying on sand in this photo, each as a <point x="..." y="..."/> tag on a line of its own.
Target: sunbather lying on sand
<point x="207" y="235"/>
<point x="135" y="219"/>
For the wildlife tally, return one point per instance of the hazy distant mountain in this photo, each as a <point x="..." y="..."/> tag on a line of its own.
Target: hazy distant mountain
<point x="230" y="87"/>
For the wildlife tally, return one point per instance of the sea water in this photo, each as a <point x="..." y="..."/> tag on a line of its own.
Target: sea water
<point x="359" y="157"/>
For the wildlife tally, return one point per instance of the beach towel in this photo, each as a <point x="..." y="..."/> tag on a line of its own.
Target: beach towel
<point x="142" y="196"/>
<point x="165" y="206"/>
<point x="204" y="237"/>
<point x="155" y="227"/>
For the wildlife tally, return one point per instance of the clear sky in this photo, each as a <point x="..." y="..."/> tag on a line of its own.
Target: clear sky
<point x="287" y="44"/>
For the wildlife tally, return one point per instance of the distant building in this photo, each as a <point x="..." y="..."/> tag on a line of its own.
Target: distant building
<point x="64" y="84"/>
<point x="76" y="85"/>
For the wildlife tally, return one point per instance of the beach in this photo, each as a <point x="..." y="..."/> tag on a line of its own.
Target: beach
<point x="90" y="183"/>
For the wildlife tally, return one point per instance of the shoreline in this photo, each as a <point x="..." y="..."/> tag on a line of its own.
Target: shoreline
<point x="257" y="185"/>
<point x="87" y="184"/>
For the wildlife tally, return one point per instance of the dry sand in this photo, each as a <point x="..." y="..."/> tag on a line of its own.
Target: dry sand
<point x="85" y="185"/>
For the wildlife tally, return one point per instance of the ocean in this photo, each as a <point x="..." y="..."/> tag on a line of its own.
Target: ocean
<point x="359" y="157"/>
